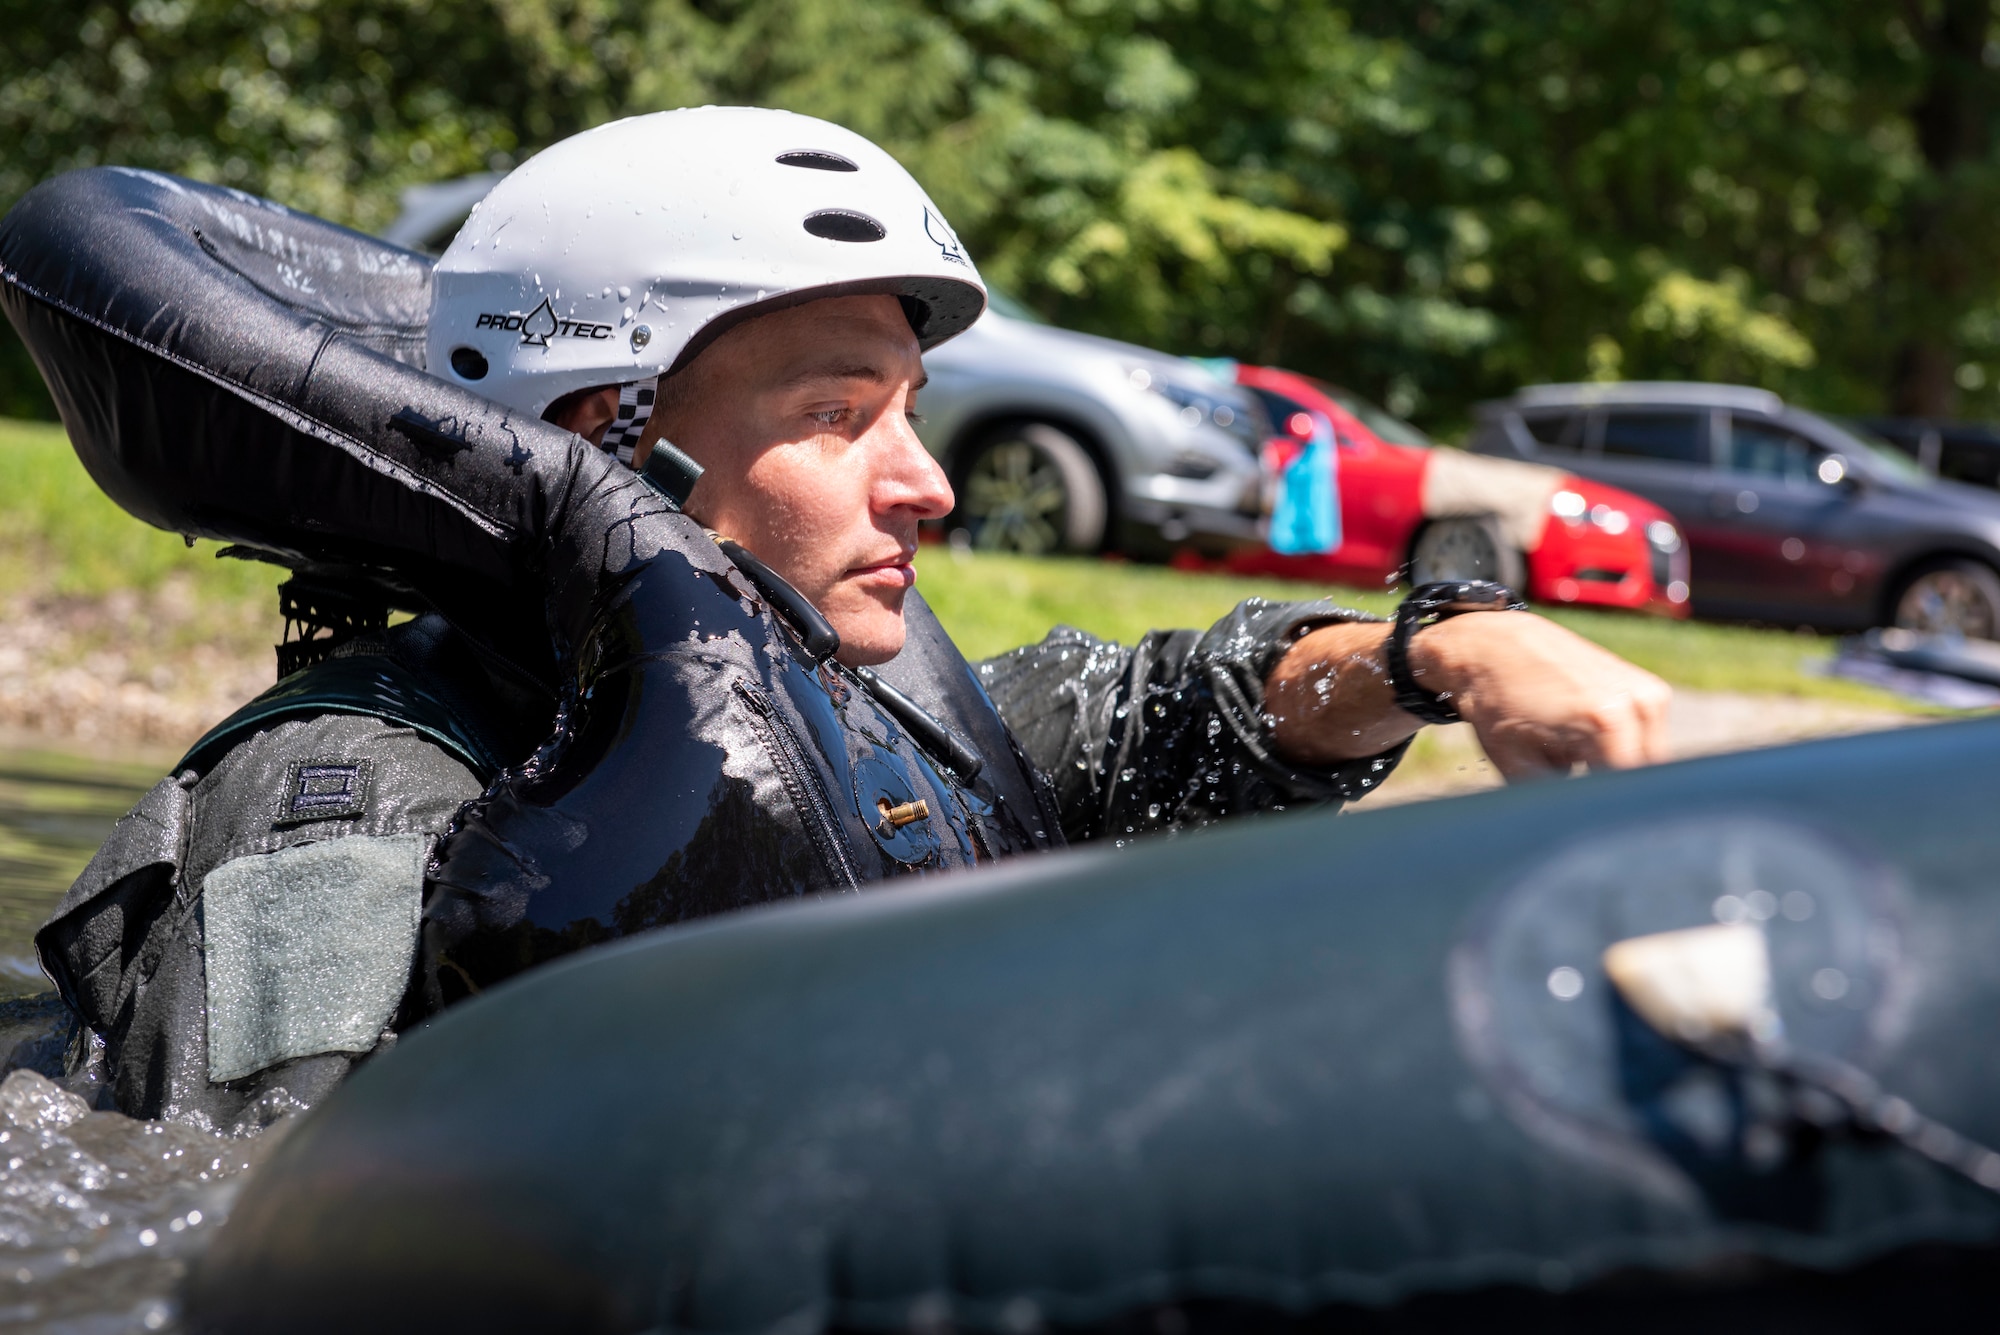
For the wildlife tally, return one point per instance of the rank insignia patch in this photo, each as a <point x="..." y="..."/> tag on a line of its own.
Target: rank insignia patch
<point x="324" y="790"/>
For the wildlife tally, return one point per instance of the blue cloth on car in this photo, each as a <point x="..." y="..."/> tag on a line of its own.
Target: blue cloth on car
<point x="1306" y="519"/>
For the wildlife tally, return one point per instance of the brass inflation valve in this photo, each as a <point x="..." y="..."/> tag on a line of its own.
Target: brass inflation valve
<point x="895" y="818"/>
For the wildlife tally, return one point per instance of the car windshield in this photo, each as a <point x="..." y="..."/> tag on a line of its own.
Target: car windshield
<point x="1883" y="456"/>
<point x="1005" y="305"/>
<point x="1379" y="420"/>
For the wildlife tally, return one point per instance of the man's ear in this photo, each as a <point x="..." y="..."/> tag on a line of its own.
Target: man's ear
<point x="585" y="411"/>
<point x="673" y="393"/>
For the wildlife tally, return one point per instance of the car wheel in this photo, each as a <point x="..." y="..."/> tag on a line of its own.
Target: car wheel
<point x="1958" y="597"/>
<point x="1467" y="548"/>
<point x="1031" y="489"/>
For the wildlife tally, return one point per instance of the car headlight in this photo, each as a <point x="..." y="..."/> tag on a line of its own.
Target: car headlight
<point x="1571" y="507"/>
<point x="1200" y="405"/>
<point x="1664" y="536"/>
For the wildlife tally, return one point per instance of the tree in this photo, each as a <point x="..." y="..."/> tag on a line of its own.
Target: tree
<point x="1434" y="202"/>
<point x="329" y="107"/>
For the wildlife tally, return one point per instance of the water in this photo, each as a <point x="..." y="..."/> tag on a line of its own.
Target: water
<point x="54" y="811"/>
<point x="99" y="1214"/>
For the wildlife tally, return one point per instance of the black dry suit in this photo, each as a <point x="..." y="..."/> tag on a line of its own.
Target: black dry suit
<point x="603" y="721"/>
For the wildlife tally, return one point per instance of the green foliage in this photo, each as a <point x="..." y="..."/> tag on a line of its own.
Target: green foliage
<point x="1435" y="201"/>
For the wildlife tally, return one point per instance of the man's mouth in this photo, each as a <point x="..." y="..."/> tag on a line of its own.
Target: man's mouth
<point x="893" y="570"/>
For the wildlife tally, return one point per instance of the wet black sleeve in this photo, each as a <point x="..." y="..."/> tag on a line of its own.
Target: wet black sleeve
<point x="1168" y="733"/>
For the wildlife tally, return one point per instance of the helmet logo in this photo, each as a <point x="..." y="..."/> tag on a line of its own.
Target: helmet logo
<point x="540" y="325"/>
<point x="938" y="230"/>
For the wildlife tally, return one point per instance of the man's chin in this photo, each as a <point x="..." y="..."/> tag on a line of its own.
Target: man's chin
<point x="871" y="634"/>
<point x="869" y="652"/>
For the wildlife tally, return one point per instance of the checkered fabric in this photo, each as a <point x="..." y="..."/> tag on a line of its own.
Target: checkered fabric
<point x="635" y="407"/>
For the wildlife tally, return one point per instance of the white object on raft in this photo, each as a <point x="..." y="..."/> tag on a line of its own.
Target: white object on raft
<point x="1700" y="984"/>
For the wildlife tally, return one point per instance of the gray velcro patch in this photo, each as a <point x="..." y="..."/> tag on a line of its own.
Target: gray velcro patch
<point x="324" y="790"/>
<point x="308" y="949"/>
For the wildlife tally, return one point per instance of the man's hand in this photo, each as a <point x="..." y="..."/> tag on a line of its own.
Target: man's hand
<point x="1541" y="698"/>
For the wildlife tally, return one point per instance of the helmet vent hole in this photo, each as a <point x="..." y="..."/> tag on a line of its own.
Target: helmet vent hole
<point x="469" y="364"/>
<point x="844" y="225"/>
<point x="816" y="160"/>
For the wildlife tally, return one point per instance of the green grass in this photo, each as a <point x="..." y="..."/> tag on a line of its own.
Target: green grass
<point x="992" y="603"/>
<point x="61" y="537"/>
<point x="70" y="555"/>
<point x="63" y="542"/>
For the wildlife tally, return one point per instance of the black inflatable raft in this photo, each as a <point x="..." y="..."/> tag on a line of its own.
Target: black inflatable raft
<point x="1302" y="1073"/>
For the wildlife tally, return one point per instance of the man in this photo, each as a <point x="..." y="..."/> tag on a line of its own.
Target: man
<point x="744" y="295"/>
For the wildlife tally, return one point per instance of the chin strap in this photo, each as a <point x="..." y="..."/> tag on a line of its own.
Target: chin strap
<point x="635" y="409"/>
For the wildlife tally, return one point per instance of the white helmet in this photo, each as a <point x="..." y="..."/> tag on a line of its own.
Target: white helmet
<point x="620" y="253"/>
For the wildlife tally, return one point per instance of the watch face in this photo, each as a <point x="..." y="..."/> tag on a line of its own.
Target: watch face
<point x="1473" y="595"/>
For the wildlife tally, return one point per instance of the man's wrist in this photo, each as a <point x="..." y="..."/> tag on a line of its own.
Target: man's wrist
<point x="1426" y="684"/>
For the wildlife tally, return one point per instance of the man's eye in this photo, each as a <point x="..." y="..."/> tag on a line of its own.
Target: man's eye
<point x="829" y="416"/>
<point x="914" y="418"/>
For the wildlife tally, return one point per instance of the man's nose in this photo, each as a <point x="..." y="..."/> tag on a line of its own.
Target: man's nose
<point x="911" y="479"/>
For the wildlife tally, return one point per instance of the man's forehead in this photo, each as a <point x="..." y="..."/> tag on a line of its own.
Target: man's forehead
<point x="844" y="343"/>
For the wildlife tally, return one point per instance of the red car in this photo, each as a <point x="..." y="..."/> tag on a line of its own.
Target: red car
<point x="1411" y="509"/>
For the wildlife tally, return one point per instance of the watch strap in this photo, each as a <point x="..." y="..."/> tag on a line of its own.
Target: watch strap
<point x="1427" y="605"/>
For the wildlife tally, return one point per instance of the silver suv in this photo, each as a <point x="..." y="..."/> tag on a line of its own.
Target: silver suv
<point x="1064" y="442"/>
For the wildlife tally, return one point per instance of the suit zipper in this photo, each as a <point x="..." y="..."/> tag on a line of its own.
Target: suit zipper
<point x="803" y="786"/>
<point x="982" y="851"/>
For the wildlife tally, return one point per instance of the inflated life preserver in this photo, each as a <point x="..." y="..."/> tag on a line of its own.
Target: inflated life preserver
<point x="231" y="369"/>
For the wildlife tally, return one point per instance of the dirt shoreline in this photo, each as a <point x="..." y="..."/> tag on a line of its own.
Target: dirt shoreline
<point x="130" y="676"/>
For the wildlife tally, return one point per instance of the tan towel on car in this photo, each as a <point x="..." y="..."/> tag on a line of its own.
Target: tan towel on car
<point x="1459" y="484"/>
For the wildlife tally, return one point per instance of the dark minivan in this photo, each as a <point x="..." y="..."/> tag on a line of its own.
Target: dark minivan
<point x="1789" y="518"/>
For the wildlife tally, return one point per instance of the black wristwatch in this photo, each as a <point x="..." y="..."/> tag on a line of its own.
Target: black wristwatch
<point x="1427" y="605"/>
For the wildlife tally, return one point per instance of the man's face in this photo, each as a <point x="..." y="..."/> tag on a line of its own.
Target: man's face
<point x="801" y="421"/>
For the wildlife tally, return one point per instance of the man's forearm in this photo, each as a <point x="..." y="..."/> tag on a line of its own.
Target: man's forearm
<point x="1541" y="697"/>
